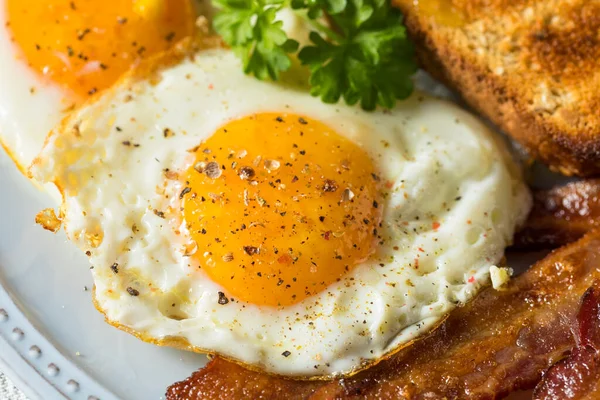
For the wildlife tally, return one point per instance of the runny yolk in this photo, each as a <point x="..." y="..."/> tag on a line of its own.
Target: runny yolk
<point x="86" y="45"/>
<point x="280" y="207"/>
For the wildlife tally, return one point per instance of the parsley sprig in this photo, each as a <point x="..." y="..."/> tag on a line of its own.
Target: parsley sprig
<point x="359" y="50"/>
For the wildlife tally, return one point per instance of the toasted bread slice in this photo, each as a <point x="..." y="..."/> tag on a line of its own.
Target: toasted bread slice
<point x="531" y="66"/>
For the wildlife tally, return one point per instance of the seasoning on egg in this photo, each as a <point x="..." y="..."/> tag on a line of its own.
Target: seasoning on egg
<point x="185" y="191"/>
<point x="133" y="292"/>
<point x="212" y="170"/>
<point x="347" y="195"/>
<point x="223" y="299"/>
<point x="329" y="185"/>
<point x="246" y="173"/>
<point x="251" y="250"/>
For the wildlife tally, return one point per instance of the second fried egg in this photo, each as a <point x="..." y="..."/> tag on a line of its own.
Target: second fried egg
<point x="248" y="219"/>
<point x="56" y="53"/>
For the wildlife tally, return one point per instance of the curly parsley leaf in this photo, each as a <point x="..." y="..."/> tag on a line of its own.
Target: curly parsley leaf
<point x="250" y="28"/>
<point x="369" y="60"/>
<point x="361" y="55"/>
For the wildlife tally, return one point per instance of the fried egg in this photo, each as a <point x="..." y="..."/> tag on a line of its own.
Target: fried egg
<point x="226" y="215"/>
<point x="56" y="53"/>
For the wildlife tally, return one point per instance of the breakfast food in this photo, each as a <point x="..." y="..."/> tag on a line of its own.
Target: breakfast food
<point x="577" y="376"/>
<point x="561" y="215"/>
<point x="232" y="216"/>
<point x="529" y="66"/>
<point x="57" y="53"/>
<point x="500" y="342"/>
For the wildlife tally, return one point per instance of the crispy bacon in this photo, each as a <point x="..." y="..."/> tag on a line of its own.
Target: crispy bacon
<point x="561" y="215"/>
<point x="500" y="342"/>
<point x="578" y="375"/>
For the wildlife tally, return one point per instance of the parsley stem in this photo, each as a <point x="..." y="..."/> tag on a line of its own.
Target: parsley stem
<point x="330" y="33"/>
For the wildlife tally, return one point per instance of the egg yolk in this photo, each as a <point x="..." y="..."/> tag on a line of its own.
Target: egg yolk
<point x="86" y="45"/>
<point x="280" y="207"/>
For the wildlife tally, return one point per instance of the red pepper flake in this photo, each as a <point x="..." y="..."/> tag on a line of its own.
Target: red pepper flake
<point x="210" y="86"/>
<point x="416" y="263"/>
<point x="421" y="250"/>
<point x="435" y="225"/>
<point x="284" y="259"/>
<point x="471" y="279"/>
<point x="327" y="235"/>
<point x="389" y="184"/>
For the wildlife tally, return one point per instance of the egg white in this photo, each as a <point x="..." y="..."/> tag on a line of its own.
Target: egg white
<point x="441" y="163"/>
<point x="29" y="106"/>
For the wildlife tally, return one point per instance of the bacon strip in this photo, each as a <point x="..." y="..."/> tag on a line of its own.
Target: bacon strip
<point x="500" y="342"/>
<point x="578" y="375"/>
<point x="561" y="215"/>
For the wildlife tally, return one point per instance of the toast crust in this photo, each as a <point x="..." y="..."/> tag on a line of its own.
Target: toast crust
<point x="531" y="66"/>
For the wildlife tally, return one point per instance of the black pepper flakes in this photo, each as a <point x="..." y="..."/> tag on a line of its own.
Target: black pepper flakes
<point x="115" y="268"/>
<point x="185" y="191"/>
<point x="329" y="185"/>
<point x="159" y="213"/>
<point x="375" y="204"/>
<point x="167" y="133"/>
<point x="133" y="292"/>
<point x="251" y="250"/>
<point x="302" y="121"/>
<point x="279" y="119"/>
<point x="81" y="34"/>
<point x="223" y="299"/>
<point x="246" y="173"/>
<point x="286" y="353"/>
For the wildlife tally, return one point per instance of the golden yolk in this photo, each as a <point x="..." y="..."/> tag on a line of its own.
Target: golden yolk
<point x="280" y="207"/>
<point x="86" y="45"/>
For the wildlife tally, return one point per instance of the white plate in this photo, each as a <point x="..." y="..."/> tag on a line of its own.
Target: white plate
<point x="53" y="343"/>
<point x="42" y="281"/>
